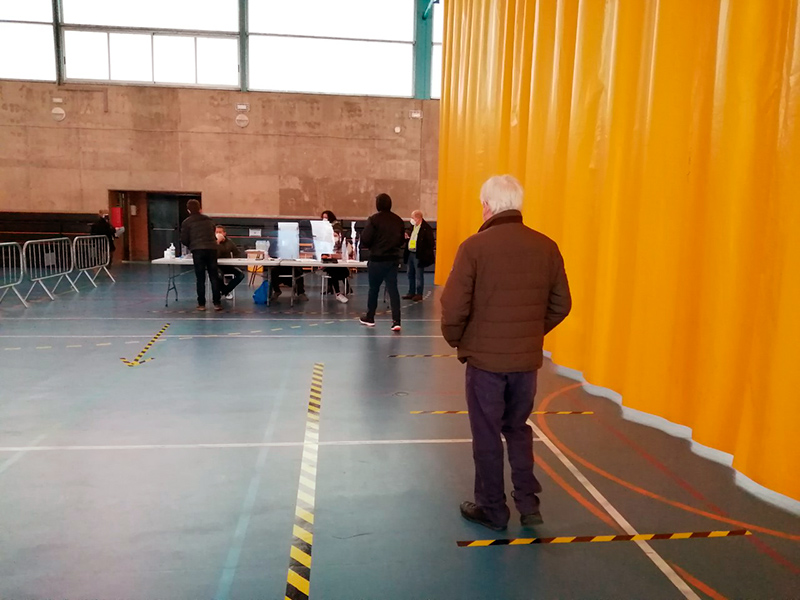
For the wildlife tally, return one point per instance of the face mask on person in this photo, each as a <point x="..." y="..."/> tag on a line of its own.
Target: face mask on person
<point x="220" y="237"/>
<point x="413" y="222"/>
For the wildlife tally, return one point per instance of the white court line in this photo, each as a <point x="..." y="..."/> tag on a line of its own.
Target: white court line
<point x="19" y="453"/>
<point x="226" y="336"/>
<point x="228" y="446"/>
<point x="676" y="580"/>
<point x="171" y="314"/>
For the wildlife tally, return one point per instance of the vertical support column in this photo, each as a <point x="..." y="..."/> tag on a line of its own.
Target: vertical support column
<point x="244" y="46"/>
<point x="423" y="48"/>
<point x="59" y="46"/>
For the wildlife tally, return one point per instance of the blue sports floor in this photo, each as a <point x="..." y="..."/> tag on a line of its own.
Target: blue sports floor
<point x="260" y="438"/>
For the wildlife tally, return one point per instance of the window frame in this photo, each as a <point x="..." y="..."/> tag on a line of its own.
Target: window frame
<point x="242" y="37"/>
<point x="152" y="32"/>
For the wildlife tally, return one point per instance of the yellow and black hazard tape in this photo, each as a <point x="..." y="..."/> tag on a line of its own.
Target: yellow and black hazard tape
<point x="536" y="412"/>
<point x="423" y="356"/>
<point x="573" y="539"/>
<point x="298" y="582"/>
<point x="138" y="360"/>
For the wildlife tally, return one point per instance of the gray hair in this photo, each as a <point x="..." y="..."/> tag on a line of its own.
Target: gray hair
<point x="501" y="193"/>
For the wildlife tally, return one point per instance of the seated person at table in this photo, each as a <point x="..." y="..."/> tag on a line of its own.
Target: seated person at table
<point x="227" y="249"/>
<point x="284" y="275"/>
<point x="337" y="274"/>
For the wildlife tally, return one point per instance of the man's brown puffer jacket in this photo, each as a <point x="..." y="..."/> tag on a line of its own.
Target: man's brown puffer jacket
<point x="507" y="290"/>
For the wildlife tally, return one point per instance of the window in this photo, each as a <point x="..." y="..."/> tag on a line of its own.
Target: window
<point x="306" y="46"/>
<point x="217" y="61"/>
<point x="39" y="11"/>
<point x="192" y="15"/>
<point x="331" y="66"/>
<point x="173" y="58"/>
<point x="131" y="57"/>
<point x="332" y="46"/>
<point x="390" y="20"/>
<point x="436" y="72"/>
<point x="27" y="49"/>
<point x="86" y="54"/>
<point x="436" y="56"/>
<point x="151" y="58"/>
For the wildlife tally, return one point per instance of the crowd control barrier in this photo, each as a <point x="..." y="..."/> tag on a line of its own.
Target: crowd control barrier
<point x="48" y="259"/>
<point x="91" y="256"/>
<point x="12" y="269"/>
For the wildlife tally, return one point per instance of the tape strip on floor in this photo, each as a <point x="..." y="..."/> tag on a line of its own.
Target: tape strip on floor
<point x="641" y="537"/>
<point x="138" y="360"/>
<point x="536" y="412"/>
<point x="644" y="546"/>
<point x="298" y="582"/>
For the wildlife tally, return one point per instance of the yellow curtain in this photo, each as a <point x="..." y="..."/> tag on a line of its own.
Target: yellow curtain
<point x="659" y="145"/>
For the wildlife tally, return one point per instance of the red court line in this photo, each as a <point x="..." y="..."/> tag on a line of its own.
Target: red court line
<point x="577" y="495"/>
<point x="698" y="495"/>
<point x="705" y="588"/>
<point x="543" y="425"/>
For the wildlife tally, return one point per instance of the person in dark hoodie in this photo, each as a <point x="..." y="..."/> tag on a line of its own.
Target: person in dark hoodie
<point x="197" y="234"/>
<point x="384" y="237"/>
<point x="103" y="226"/>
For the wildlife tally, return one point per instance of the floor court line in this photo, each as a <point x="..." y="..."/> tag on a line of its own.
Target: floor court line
<point x="236" y="545"/>
<point x="5" y="449"/>
<point x="648" y="550"/>
<point x="19" y="453"/>
<point x="260" y="318"/>
<point x="222" y="336"/>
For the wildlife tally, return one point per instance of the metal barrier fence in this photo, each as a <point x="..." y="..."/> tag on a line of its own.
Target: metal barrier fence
<point x="91" y="253"/>
<point x="12" y="269"/>
<point x="48" y="259"/>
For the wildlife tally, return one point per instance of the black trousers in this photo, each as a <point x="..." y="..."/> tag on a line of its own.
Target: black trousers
<point x="205" y="261"/>
<point x="238" y="277"/>
<point x="501" y="403"/>
<point x="378" y="273"/>
<point x="336" y="275"/>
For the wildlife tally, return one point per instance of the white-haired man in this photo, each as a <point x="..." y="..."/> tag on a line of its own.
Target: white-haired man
<point x="507" y="289"/>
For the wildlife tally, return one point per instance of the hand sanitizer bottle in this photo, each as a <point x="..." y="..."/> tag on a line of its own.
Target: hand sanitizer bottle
<point x="171" y="250"/>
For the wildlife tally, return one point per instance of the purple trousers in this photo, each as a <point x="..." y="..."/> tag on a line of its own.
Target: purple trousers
<point x="502" y="403"/>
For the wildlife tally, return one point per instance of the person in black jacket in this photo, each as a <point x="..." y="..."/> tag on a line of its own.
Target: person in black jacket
<point x="103" y="226"/>
<point x="197" y="234"/>
<point x="384" y="236"/>
<point x="418" y="255"/>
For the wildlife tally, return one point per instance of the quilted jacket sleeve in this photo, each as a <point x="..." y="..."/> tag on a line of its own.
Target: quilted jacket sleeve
<point x="559" y="302"/>
<point x="457" y="297"/>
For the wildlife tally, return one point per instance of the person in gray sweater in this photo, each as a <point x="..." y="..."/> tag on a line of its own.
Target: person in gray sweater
<point x="197" y="234"/>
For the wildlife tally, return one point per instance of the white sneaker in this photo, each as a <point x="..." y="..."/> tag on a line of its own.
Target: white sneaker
<point x="342" y="298"/>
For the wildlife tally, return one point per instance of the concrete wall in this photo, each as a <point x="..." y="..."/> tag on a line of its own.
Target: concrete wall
<point x="300" y="154"/>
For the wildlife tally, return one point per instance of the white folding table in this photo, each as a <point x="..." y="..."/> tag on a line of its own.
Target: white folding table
<point x="267" y="266"/>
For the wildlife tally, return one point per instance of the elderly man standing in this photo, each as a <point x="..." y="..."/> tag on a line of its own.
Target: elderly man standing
<point x="419" y="254"/>
<point x="507" y="289"/>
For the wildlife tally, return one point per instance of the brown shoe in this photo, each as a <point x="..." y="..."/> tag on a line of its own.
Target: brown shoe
<point x="472" y="512"/>
<point x="417" y="298"/>
<point x="218" y="307"/>
<point x="408" y="297"/>
<point x="201" y="307"/>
